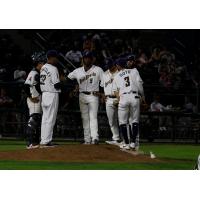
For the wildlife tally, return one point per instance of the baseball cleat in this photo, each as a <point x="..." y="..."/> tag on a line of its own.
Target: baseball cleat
<point x="132" y="145"/>
<point x="125" y="146"/>
<point x="113" y="142"/>
<point x="96" y="142"/>
<point x="31" y="146"/>
<point x="87" y="143"/>
<point x="50" y="144"/>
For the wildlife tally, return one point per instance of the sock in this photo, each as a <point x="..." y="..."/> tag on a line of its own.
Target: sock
<point x="134" y="131"/>
<point x="124" y="133"/>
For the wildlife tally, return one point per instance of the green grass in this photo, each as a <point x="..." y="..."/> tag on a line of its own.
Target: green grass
<point x="173" y="151"/>
<point x="8" y="145"/>
<point x="36" y="165"/>
<point x="173" y="156"/>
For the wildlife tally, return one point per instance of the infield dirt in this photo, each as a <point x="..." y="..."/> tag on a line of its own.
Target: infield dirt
<point x="76" y="153"/>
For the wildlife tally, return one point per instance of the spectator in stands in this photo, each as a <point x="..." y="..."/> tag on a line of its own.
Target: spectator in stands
<point x="156" y="106"/>
<point x="2" y="73"/>
<point x="74" y="55"/>
<point x="19" y="74"/>
<point x="5" y="102"/>
<point x="164" y="71"/>
<point x="155" y="55"/>
<point x="142" y="59"/>
<point x="189" y="107"/>
<point x="87" y="43"/>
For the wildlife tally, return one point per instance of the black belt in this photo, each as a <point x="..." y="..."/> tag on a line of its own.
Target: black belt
<point x="89" y="93"/>
<point x="111" y="96"/>
<point x="134" y="92"/>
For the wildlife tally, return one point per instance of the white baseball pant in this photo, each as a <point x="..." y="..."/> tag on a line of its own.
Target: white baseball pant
<point x="50" y="108"/>
<point x="112" y="115"/>
<point x="89" y="107"/>
<point x="34" y="107"/>
<point x="128" y="109"/>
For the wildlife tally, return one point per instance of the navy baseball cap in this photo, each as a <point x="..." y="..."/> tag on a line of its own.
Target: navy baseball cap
<point x="88" y="54"/>
<point x="109" y="62"/>
<point x="121" y="62"/>
<point x="130" y="57"/>
<point x="52" y="53"/>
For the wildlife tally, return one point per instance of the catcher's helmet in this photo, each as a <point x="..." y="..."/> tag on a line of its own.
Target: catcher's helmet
<point x="39" y="57"/>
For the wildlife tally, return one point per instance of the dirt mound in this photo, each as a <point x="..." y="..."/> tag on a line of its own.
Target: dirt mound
<point x="76" y="153"/>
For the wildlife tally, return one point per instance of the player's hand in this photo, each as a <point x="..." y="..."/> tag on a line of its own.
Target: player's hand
<point x="98" y="94"/>
<point x="142" y="100"/>
<point x="74" y="92"/>
<point x="62" y="77"/>
<point x="34" y="99"/>
<point x="116" y="102"/>
<point x="103" y="98"/>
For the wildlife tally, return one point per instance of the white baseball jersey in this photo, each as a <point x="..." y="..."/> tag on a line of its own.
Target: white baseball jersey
<point x="111" y="109"/>
<point x="87" y="80"/>
<point x="128" y="80"/>
<point x="32" y="81"/>
<point x="107" y="82"/>
<point x="49" y="76"/>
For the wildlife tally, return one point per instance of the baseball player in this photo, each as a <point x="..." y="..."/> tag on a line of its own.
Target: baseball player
<point x="131" y="64"/>
<point x="88" y="77"/>
<point x="33" y="92"/>
<point x="128" y="88"/>
<point x="111" y="99"/>
<point x="50" y="87"/>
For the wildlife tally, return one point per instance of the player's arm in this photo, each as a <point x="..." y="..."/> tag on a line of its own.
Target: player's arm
<point x="27" y="90"/>
<point x="28" y="93"/>
<point x="116" y="91"/>
<point x="56" y="79"/>
<point x="37" y="86"/>
<point x="139" y="83"/>
<point x="101" y="84"/>
<point x="28" y="83"/>
<point x="71" y="79"/>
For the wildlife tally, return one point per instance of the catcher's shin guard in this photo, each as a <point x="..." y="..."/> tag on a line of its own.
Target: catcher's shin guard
<point x="134" y="132"/>
<point x="33" y="129"/>
<point x="123" y="129"/>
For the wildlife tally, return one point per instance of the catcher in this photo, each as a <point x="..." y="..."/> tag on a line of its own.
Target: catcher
<point x="33" y="92"/>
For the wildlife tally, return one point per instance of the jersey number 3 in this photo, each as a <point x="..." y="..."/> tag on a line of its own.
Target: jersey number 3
<point x="127" y="81"/>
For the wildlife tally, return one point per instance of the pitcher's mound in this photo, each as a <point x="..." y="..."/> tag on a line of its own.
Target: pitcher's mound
<point x="77" y="153"/>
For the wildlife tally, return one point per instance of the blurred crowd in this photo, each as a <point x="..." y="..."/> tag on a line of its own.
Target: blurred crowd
<point x="157" y="63"/>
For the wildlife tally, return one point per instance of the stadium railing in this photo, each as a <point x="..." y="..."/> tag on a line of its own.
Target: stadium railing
<point x="180" y="127"/>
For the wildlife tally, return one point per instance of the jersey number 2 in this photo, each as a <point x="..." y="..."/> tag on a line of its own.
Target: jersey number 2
<point x="91" y="80"/>
<point x="42" y="79"/>
<point x="127" y="81"/>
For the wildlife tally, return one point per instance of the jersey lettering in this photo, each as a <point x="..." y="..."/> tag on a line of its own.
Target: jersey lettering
<point x="87" y="77"/>
<point x="124" y="73"/>
<point x="108" y="82"/>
